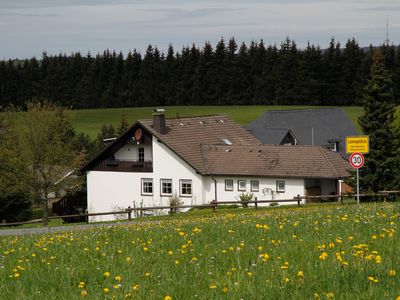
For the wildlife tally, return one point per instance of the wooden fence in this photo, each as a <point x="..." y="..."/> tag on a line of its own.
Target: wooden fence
<point x="213" y="205"/>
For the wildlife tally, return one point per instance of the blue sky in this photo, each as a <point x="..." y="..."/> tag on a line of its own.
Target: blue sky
<point x="29" y="27"/>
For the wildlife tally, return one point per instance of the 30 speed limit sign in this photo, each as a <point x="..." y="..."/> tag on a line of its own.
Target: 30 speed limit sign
<point x="356" y="160"/>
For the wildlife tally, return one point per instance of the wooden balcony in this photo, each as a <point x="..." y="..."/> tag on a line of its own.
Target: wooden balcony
<point x="124" y="166"/>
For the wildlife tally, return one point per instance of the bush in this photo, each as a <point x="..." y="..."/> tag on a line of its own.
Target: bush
<point x="174" y="200"/>
<point x="15" y="207"/>
<point x="244" y="198"/>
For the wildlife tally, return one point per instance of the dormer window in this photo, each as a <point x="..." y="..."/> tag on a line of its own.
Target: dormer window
<point x="333" y="146"/>
<point x="227" y="142"/>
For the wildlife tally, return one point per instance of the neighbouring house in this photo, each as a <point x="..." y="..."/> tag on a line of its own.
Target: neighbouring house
<point x="201" y="159"/>
<point x="327" y="127"/>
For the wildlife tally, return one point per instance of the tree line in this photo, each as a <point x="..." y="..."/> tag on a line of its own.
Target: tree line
<point x="227" y="74"/>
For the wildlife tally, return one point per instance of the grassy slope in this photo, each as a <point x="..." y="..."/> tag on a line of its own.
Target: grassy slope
<point x="91" y="120"/>
<point x="318" y="252"/>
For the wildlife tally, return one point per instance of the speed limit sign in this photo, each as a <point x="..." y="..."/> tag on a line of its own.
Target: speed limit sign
<point x="356" y="160"/>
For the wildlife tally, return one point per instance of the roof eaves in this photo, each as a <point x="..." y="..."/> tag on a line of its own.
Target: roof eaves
<point x="89" y="164"/>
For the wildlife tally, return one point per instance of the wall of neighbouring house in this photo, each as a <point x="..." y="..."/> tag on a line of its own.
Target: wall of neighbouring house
<point x="267" y="188"/>
<point x="113" y="191"/>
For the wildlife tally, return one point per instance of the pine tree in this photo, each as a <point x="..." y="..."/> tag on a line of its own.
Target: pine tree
<point x="378" y="172"/>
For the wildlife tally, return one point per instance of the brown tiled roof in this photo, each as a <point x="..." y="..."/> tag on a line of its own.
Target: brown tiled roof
<point x="274" y="161"/>
<point x="186" y="135"/>
<point x="202" y="143"/>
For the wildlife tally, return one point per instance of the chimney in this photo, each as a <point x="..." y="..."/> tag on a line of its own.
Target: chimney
<point x="159" y="123"/>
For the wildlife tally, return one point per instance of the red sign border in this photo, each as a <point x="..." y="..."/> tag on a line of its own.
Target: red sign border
<point x="351" y="163"/>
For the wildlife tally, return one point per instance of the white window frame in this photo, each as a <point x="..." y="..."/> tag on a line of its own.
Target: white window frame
<point x="241" y="182"/>
<point x="183" y="182"/>
<point x="280" y="189"/>
<point x="252" y="188"/>
<point x="229" y="189"/>
<point x="162" y="182"/>
<point x="147" y="180"/>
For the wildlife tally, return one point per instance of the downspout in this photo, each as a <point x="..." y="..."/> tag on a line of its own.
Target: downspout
<point x="215" y="188"/>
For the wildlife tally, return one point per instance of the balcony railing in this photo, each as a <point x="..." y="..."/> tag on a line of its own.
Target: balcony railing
<point x="124" y="166"/>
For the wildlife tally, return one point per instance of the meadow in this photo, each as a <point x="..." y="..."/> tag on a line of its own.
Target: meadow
<point x="90" y="121"/>
<point x="315" y="252"/>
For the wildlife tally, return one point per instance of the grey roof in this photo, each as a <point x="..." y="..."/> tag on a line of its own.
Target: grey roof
<point x="273" y="136"/>
<point x="310" y="126"/>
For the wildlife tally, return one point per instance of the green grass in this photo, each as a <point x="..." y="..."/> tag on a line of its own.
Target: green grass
<point x="90" y="120"/>
<point x="315" y="252"/>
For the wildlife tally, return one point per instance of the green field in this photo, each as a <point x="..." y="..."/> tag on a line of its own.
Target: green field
<point x="317" y="252"/>
<point x="90" y="121"/>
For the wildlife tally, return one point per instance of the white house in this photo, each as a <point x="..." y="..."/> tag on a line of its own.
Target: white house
<point x="201" y="159"/>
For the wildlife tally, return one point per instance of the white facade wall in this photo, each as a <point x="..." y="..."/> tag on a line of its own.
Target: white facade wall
<point x="293" y="187"/>
<point x="113" y="191"/>
<point x="116" y="191"/>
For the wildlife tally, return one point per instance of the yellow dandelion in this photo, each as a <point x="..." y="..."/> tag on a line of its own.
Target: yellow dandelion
<point x="147" y="274"/>
<point x="106" y="290"/>
<point x="167" y="297"/>
<point x="392" y="273"/>
<point x="135" y="287"/>
<point x="300" y="274"/>
<point x="84" y="293"/>
<point x="225" y="290"/>
<point x="286" y="280"/>
<point x="323" y="256"/>
<point x="213" y="286"/>
<point x="118" y="278"/>
<point x="330" y="295"/>
<point x="106" y="274"/>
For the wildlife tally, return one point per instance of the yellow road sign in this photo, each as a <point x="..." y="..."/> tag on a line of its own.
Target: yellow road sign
<point x="358" y="144"/>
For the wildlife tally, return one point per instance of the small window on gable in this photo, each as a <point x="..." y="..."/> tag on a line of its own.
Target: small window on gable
<point x="141" y="154"/>
<point x="254" y="185"/>
<point x="228" y="184"/>
<point x="280" y="186"/>
<point x="147" y="186"/>
<point x="241" y="185"/>
<point x="166" y="187"/>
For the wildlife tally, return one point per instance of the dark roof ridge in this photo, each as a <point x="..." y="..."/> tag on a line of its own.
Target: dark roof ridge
<point x="304" y="109"/>
<point x="323" y="151"/>
<point x="203" y="157"/>
<point x="187" y="117"/>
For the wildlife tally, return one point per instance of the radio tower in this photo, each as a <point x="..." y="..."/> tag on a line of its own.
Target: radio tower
<point x="387" y="31"/>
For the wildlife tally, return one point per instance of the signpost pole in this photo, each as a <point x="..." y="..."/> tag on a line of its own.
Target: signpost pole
<point x="358" y="189"/>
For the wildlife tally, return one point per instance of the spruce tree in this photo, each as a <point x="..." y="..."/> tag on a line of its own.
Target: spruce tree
<point x="379" y="170"/>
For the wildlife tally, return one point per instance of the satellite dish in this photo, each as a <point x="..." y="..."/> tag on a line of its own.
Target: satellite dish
<point x="138" y="134"/>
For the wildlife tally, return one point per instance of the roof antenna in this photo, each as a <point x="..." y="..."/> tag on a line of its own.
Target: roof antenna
<point x="387" y="31"/>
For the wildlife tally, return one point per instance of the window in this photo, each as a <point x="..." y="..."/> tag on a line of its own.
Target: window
<point x="254" y="185"/>
<point x="166" y="187"/>
<point x="280" y="186"/>
<point x="228" y="184"/>
<point x="227" y="141"/>
<point x="185" y="187"/>
<point x="147" y="186"/>
<point x="241" y="185"/>
<point x="141" y="154"/>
